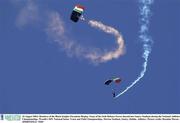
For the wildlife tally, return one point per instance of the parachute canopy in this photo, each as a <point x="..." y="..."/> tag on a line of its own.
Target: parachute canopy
<point x="116" y="80"/>
<point x="76" y="13"/>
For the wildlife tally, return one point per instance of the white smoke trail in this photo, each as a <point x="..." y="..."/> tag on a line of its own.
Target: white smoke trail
<point x="145" y="13"/>
<point x="28" y="14"/>
<point x="109" y="30"/>
<point x="56" y="29"/>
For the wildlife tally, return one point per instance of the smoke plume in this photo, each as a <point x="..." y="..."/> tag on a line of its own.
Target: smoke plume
<point x="145" y="13"/>
<point x="119" y="39"/>
<point x="56" y="29"/>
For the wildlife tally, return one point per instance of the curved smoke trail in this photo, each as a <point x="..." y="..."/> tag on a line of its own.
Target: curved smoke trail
<point x="109" y="30"/>
<point x="56" y="29"/>
<point x="145" y="13"/>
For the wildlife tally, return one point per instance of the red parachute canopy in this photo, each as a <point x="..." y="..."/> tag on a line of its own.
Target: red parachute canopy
<point x="80" y="6"/>
<point x="117" y="80"/>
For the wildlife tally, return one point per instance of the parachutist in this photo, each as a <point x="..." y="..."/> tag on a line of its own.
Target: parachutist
<point x="115" y="80"/>
<point x="113" y="93"/>
<point x="76" y="13"/>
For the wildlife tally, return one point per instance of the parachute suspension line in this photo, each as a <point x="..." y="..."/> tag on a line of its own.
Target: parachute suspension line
<point x="145" y="12"/>
<point x="82" y="18"/>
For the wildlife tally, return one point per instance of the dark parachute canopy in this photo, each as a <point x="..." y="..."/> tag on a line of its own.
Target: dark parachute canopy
<point x="76" y="13"/>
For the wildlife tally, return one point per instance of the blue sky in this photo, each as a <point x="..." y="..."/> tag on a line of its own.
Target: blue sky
<point x="37" y="76"/>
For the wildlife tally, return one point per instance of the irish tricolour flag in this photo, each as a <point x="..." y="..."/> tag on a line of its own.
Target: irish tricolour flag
<point x="79" y="9"/>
